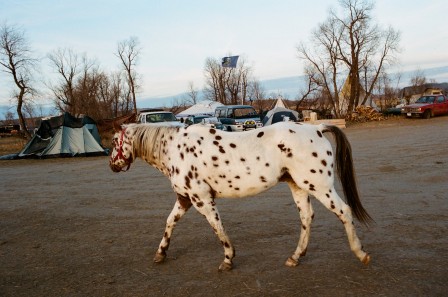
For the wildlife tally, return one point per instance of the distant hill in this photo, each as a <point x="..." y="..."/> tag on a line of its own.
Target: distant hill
<point x="290" y="87"/>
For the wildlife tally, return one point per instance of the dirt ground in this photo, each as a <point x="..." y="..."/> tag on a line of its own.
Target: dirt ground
<point x="72" y="227"/>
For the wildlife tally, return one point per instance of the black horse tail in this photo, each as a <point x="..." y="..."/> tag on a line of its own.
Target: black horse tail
<point x="346" y="173"/>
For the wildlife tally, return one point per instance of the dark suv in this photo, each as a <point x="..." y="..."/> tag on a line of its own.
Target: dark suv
<point x="238" y="117"/>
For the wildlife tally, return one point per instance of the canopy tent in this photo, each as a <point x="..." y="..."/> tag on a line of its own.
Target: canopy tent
<point x="64" y="136"/>
<point x="280" y="114"/>
<point x="206" y="107"/>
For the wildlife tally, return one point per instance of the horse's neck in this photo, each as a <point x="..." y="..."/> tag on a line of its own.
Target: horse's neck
<point x="151" y="151"/>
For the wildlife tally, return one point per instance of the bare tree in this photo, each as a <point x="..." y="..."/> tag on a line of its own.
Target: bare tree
<point x="226" y="85"/>
<point x="128" y="51"/>
<point x="322" y="62"/>
<point x="387" y="95"/>
<point x="87" y="88"/>
<point x="418" y="78"/>
<point x="350" y="47"/>
<point x="192" y="95"/>
<point x="417" y="83"/>
<point x="178" y="104"/>
<point x="377" y="59"/>
<point x="114" y="92"/>
<point x="238" y="82"/>
<point x="312" y="87"/>
<point x="80" y="84"/>
<point x="256" y="94"/>
<point x="9" y="118"/>
<point x="215" y="85"/>
<point x="82" y="88"/>
<point x="17" y="60"/>
<point x="67" y="64"/>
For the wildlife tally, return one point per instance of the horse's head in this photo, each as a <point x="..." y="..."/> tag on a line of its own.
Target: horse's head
<point x="121" y="155"/>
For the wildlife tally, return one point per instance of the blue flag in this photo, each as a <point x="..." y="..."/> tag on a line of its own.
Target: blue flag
<point x="229" y="61"/>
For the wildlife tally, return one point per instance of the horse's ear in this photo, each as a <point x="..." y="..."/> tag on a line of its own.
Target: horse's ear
<point x="117" y="127"/>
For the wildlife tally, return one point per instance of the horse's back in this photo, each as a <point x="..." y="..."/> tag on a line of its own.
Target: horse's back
<point x="245" y="163"/>
<point x="277" y="137"/>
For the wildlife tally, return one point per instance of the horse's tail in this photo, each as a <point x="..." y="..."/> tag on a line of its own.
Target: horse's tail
<point x="346" y="173"/>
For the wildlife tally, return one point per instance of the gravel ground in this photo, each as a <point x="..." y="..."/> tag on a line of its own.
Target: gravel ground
<point x="71" y="227"/>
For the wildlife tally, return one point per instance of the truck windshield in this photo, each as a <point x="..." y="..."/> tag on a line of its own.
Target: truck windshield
<point x="426" y="99"/>
<point x="242" y="113"/>
<point x="160" y="117"/>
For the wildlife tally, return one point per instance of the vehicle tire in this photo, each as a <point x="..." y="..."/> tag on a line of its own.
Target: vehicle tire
<point x="427" y="114"/>
<point x="229" y="129"/>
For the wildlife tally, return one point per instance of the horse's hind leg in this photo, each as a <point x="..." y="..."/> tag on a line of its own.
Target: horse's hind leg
<point x="180" y="208"/>
<point x="305" y="208"/>
<point x="335" y="204"/>
<point x="207" y="207"/>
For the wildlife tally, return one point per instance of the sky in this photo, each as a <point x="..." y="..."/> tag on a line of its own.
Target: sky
<point x="176" y="37"/>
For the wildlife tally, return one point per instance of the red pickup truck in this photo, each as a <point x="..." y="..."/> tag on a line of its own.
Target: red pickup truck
<point x="427" y="106"/>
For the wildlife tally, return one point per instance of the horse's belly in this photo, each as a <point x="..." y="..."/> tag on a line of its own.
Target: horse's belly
<point x="243" y="190"/>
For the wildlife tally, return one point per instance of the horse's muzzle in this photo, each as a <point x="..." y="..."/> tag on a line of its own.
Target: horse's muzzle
<point x="115" y="168"/>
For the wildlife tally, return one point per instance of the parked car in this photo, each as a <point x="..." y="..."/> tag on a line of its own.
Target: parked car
<point x="195" y="119"/>
<point x="427" y="106"/>
<point x="238" y="117"/>
<point x="204" y="120"/>
<point x="394" y="110"/>
<point x="212" y="122"/>
<point x="155" y="116"/>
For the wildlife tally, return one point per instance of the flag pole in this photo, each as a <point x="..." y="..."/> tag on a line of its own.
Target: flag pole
<point x="230" y="62"/>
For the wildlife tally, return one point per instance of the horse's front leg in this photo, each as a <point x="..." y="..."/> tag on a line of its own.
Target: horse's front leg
<point x="306" y="213"/>
<point x="207" y="207"/>
<point x="180" y="208"/>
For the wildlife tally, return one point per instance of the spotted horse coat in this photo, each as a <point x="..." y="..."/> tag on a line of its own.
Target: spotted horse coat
<point x="204" y="164"/>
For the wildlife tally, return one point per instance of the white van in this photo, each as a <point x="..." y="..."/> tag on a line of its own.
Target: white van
<point x="148" y="116"/>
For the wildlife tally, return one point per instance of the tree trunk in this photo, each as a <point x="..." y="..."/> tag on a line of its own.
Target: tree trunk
<point x="22" y="122"/>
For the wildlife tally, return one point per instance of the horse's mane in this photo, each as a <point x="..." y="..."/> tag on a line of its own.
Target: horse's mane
<point x="148" y="140"/>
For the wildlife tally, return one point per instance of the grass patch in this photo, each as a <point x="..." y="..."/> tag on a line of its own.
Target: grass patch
<point x="11" y="145"/>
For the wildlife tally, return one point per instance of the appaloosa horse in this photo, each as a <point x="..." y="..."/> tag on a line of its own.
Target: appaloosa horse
<point x="203" y="164"/>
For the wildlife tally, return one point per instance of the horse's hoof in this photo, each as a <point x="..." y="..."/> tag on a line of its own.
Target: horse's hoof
<point x="366" y="259"/>
<point x="159" y="258"/>
<point x="225" y="266"/>
<point x="291" y="262"/>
